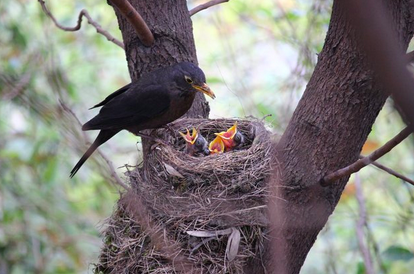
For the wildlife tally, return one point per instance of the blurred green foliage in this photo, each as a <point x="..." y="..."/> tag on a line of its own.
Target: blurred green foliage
<point x="258" y="57"/>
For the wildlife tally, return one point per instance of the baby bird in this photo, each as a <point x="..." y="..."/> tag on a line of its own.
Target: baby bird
<point x="232" y="138"/>
<point x="195" y="143"/>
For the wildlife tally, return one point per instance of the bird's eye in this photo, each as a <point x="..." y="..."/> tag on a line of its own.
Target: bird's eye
<point x="188" y="79"/>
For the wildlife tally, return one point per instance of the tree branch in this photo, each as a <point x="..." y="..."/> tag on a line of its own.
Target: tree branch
<point x="133" y="17"/>
<point x="358" y="165"/>
<point x="85" y="13"/>
<point x="206" y="6"/>
<point x="390" y="171"/>
<point x="16" y="86"/>
<point x="360" y="225"/>
<point x="109" y="163"/>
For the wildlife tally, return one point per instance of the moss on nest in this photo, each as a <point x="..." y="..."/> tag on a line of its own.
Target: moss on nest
<point x="206" y="214"/>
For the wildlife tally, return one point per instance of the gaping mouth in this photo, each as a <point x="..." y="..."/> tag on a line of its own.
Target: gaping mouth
<point x="190" y="138"/>
<point x="205" y="89"/>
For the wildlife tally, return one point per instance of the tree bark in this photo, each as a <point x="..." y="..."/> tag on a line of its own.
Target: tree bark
<point x="327" y="131"/>
<point x="170" y="23"/>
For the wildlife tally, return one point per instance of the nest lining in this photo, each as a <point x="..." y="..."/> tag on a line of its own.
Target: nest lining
<point x="184" y="193"/>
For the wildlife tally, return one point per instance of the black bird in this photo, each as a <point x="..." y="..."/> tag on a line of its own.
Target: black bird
<point x="195" y="143"/>
<point x="156" y="99"/>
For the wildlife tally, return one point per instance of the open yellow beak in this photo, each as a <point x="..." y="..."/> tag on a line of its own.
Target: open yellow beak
<point x="205" y="89"/>
<point x="227" y="137"/>
<point x="190" y="138"/>
<point x="216" y="146"/>
<point x="229" y="134"/>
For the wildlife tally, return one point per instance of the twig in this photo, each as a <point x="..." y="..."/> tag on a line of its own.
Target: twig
<point x="360" y="225"/>
<point x="109" y="163"/>
<point x="16" y="87"/>
<point x="132" y="15"/>
<point x="206" y="6"/>
<point x="377" y="251"/>
<point x="355" y="167"/>
<point x="82" y="13"/>
<point x="390" y="171"/>
<point x="112" y="169"/>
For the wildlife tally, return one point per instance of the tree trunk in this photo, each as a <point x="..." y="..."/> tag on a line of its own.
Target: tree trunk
<point x="327" y="131"/>
<point x="170" y="23"/>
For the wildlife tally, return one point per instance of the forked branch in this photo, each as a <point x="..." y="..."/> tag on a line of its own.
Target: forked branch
<point x="85" y="13"/>
<point x="358" y="165"/>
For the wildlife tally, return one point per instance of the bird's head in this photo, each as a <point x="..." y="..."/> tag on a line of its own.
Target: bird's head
<point x="227" y="137"/>
<point x="190" y="138"/>
<point x="229" y="134"/>
<point x="191" y="76"/>
<point x="216" y="146"/>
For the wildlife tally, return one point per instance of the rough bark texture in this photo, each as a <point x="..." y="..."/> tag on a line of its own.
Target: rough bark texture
<point x="170" y="23"/>
<point x="327" y="131"/>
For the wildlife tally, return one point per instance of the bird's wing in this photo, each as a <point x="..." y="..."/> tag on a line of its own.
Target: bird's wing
<point x="112" y="96"/>
<point x="131" y="108"/>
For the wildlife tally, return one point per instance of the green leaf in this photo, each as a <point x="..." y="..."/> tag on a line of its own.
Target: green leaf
<point x="360" y="268"/>
<point x="395" y="253"/>
<point x="18" y="38"/>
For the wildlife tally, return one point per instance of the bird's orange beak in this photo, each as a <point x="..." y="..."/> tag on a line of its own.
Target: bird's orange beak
<point x="190" y="138"/>
<point x="227" y="136"/>
<point x="216" y="146"/>
<point x="205" y="89"/>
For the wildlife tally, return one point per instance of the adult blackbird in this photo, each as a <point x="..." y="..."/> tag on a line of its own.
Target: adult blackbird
<point x="195" y="143"/>
<point x="156" y="99"/>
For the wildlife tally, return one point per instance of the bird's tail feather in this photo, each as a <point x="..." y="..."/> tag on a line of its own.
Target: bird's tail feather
<point x="103" y="136"/>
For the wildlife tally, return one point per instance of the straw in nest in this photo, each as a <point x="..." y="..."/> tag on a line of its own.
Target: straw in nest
<point x="207" y="213"/>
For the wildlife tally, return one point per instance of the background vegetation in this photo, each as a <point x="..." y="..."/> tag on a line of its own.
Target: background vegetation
<point x="258" y="57"/>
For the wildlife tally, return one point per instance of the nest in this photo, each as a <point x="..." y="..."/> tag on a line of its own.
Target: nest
<point x="205" y="213"/>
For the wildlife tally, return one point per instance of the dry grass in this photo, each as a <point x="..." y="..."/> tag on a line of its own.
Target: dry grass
<point x="215" y="198"/>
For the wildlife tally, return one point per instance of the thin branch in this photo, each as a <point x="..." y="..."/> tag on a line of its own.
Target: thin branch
<point x="85" y="13"/>
<point x="16" y="87"/>
<point x="109" y="163"/>
<point x="361" y="224"/>
<point x="112" y="170"/>
<point x="206" y="6"/>
<point x="392" y="172"/>
<point x="132" y="15"/>
<point x="355" y="167"/>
